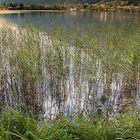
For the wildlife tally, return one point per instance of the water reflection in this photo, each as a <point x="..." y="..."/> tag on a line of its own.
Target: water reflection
<point x="103" y="16"/>
<point x="86" y="19"/>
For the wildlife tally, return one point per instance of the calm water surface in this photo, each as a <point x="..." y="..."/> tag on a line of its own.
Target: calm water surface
<point x="74" y="19"/>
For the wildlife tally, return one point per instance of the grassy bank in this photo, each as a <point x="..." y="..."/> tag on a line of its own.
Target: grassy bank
<point x="17" y="126"/>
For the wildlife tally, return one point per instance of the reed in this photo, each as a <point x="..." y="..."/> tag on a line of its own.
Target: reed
<point x="55" y="73"/>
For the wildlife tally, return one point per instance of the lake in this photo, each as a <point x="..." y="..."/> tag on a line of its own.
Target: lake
<point x="73" y="19"/>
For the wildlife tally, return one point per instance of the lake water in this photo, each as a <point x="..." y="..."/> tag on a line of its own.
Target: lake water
<point x="74" y="19"/>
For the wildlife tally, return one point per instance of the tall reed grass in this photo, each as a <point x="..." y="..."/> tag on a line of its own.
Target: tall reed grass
<point x="55" y="73"/>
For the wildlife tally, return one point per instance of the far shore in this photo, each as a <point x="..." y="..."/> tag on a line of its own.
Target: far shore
<point x="93" y="8"/>
<point x="26" y="11"/>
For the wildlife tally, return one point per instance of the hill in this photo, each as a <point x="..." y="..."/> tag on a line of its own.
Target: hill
<point x="66" y="1"/>
<point x="48" y="1"/>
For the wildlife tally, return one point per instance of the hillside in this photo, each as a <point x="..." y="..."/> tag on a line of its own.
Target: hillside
<point x="68" y="1"/>
<point x="48" y="1"/>
<point x="97" y="5"/>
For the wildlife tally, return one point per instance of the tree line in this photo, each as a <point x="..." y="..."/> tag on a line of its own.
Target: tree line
<point x="21" y="6"/>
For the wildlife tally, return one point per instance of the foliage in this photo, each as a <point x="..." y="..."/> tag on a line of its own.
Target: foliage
<point x="17" y="126"/>
<point x="41" y="66"/>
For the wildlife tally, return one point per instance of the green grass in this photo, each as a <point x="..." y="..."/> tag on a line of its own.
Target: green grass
<point x="17" y="126"/>
<point x="36" y="64"/>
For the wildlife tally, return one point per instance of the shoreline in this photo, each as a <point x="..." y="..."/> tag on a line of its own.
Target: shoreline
<point x="26" y="11"/>
<point x="97" y="8"/>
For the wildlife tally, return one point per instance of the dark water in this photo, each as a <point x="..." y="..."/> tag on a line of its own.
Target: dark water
<point x="74" y="19"/>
